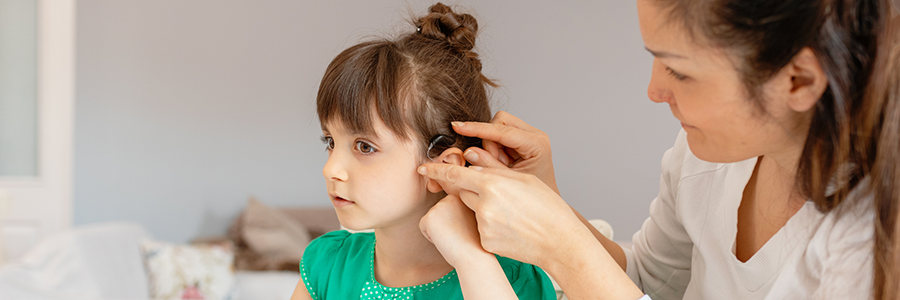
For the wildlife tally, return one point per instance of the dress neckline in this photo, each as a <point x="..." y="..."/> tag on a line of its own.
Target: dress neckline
<point x="373" y="289"/>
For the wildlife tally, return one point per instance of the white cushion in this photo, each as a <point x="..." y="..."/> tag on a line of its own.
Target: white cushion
<point x="99" y="261"/>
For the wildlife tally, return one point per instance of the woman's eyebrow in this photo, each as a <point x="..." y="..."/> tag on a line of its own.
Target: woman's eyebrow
<point x="662" y="54"/>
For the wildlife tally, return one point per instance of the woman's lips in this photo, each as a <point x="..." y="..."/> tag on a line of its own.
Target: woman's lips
<point x="341" y="202"/>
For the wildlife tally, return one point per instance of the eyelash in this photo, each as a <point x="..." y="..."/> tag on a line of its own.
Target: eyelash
<point x="360" y="144"/>
<point x="328" y="141"/>
<point x="329" y="145"/>
<point x="677" y="76"/>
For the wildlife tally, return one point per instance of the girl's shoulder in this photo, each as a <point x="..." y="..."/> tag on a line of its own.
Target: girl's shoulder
<point x="527" y="280"/>
<point x="331" y="263"/>
<point x="339" y="242"/>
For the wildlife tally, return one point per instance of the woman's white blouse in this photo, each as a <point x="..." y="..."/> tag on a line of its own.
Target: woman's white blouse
<point x="685" y="249"/>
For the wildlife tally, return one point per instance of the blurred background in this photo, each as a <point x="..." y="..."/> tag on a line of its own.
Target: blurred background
<point x="172" y="113"/>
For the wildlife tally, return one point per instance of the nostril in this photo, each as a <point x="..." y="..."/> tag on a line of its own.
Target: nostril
<point x="660" y="96"/>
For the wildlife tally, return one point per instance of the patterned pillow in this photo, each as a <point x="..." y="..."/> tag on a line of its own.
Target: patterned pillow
<point x="189" y="272"/>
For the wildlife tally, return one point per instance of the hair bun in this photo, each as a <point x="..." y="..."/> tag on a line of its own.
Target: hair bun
<point x="456" y="29"/>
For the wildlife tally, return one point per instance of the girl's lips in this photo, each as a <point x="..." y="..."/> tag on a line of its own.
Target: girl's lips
<point x="341" y="202"/>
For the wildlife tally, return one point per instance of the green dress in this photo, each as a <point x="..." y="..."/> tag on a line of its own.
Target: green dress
<point x="340" y="265"/>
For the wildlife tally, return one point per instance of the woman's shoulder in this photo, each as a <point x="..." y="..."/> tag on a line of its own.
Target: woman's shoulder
<point x="838" y="260"/>
<point x="849" y="227"/>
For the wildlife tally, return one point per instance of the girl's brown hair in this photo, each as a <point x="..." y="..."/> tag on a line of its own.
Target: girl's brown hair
<point x="855" y="131"/>
<point x="417" y="83"/>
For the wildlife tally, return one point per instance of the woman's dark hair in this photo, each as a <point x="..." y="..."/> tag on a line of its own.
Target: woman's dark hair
<point x="855" y="130"/>
<point x="417" y="83"/>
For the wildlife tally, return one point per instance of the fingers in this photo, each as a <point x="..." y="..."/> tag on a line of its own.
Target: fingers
<point x="510" y="155"/>
<point x="496" y="151"/>
<point x="424" y="229"/>
<point x="470" y="199"/>
<point x="506" y="118"/>
<point x="482" y="158"/>
<point x="522" y="141"/>
<point x="434" y="215"/>
<point x="491" y="147"/>
<point x="462" y="177"/>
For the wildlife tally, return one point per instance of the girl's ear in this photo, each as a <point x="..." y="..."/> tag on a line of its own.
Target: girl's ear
<point x="453" y="156"/>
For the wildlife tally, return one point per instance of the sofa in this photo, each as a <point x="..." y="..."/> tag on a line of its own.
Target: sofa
<point x="106" y="262"/>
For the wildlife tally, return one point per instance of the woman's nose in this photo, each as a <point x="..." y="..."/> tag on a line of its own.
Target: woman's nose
<point x="658" y="95"/>
<point x="656" y="90"/>
<point x="335" y="167"/>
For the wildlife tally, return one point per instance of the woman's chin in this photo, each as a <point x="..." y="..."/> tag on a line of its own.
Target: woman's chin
<point x="706" y="152"/>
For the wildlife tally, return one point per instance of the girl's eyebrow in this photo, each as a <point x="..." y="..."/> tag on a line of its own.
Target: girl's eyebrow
<point x="372" y="137"/>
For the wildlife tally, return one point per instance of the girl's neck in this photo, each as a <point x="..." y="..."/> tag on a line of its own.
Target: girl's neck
<point x="404" y="257"/>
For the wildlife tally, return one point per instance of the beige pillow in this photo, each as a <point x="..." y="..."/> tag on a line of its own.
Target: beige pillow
<point x="273" y="235"/>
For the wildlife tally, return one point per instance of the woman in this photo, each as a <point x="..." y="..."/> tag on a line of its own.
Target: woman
<point x="783" y="184"/>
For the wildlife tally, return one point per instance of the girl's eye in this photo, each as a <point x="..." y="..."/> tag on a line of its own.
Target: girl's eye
<point x="677" y="75"/>
<point x="364" y="148"/>
<point x="329" y="142"/>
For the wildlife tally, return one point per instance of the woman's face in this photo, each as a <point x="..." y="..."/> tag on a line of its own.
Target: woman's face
<point x="372" y="179"/>
<point x="705" y="92"/>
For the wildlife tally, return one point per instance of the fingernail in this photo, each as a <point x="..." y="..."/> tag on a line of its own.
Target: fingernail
<point x="422" y="170"/>
<point x="458" y="124"/>
<point x="471" y="156"/>
<point x="477" y="168"/>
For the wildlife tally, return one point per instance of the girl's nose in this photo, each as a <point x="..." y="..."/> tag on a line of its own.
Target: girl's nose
<point x="335" y="168"/>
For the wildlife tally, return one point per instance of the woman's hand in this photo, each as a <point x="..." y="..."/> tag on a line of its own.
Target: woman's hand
<point x="510" y="142"/>
<point x="520" y="217"/>
<point x="517" y="215"/>
<point x="450" y="226"/>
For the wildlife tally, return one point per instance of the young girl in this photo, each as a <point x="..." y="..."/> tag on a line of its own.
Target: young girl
<point x="385" y="108"/>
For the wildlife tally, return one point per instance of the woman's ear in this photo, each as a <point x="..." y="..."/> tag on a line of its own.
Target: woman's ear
<point x="453" y="156"/>
<point x="807" y="81"/>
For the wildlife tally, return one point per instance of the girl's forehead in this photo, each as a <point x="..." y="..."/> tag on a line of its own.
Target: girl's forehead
<point x="376" y="131"/>
<point x="379" y="133"/>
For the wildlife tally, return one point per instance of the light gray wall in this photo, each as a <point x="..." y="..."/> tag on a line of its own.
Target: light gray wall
<point x="186" y="108"/>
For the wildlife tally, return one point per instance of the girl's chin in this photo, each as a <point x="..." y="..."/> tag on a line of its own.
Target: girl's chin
<point x="347" y="222"/>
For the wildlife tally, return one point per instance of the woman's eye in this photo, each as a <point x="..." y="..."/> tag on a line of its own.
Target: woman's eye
<point x="329" y="142"/>
<point x="677" y="76"/>
<point x="364" y="148"/>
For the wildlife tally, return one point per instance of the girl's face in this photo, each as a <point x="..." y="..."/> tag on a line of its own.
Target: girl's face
<point x="372" y="180"/>
<point x="705" y="92"/>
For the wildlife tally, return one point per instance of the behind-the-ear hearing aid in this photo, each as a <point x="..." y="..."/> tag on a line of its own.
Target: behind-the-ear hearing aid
<point x="438" y="144"/>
